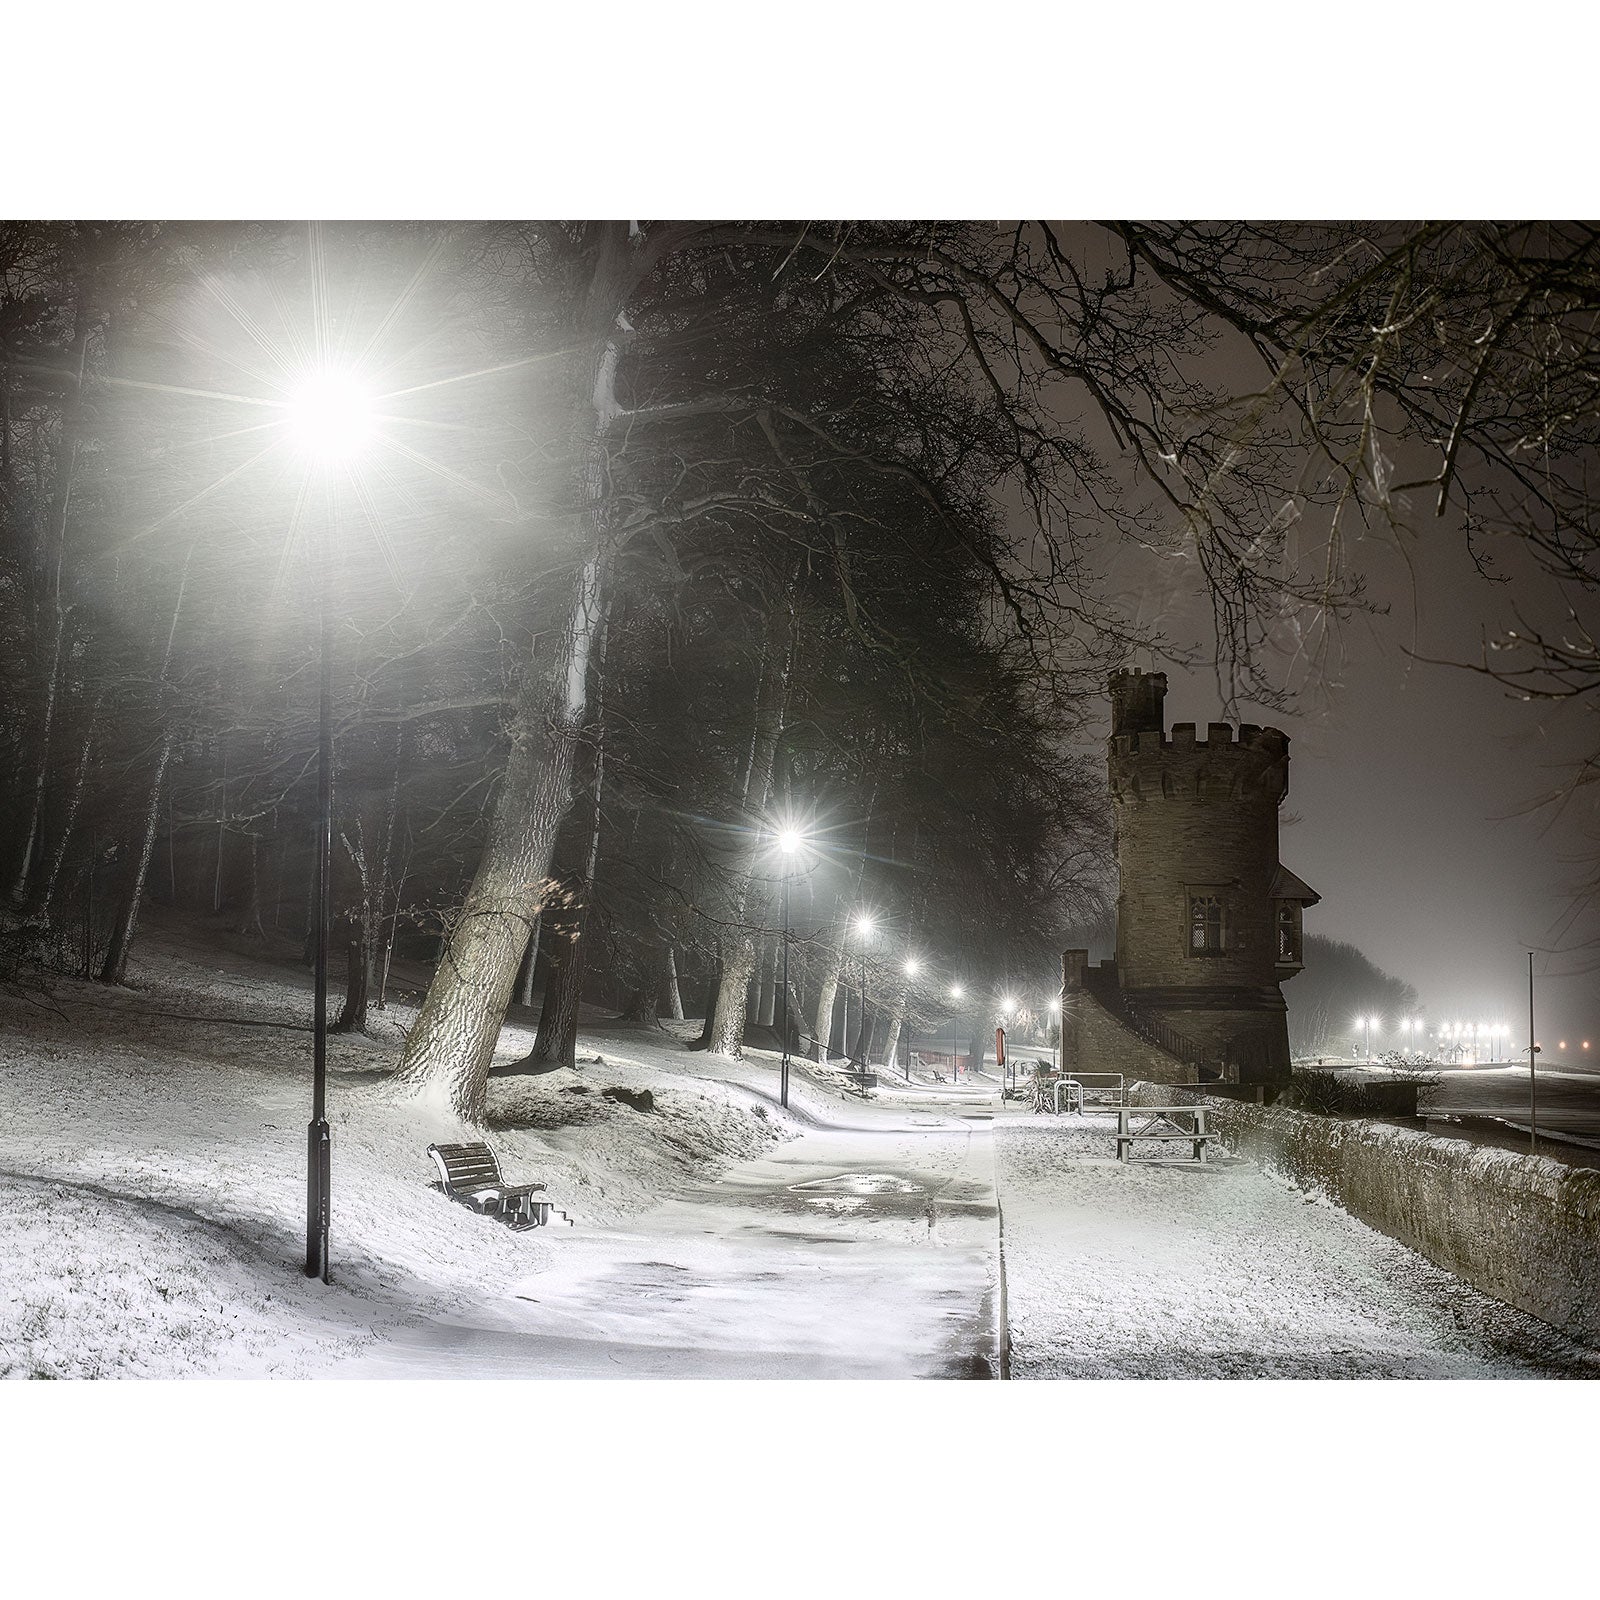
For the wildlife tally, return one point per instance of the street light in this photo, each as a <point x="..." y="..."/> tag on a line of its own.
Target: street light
<point x="791" y="841"/>
<point x="956" y="992"/>
<point x="1008" y="1008"/>
<point x="865" y="924"/>
<point x="913" y="967"/>
<point x="330" y="420"/>
<point x="1366" y="1024"/>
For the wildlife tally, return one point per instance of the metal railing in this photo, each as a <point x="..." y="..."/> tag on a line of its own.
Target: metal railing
<point x="1078" y="1087"/>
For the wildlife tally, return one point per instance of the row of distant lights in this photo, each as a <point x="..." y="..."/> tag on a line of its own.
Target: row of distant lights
<point x="791" y="841"/>
<point x="1453" y="1030"/>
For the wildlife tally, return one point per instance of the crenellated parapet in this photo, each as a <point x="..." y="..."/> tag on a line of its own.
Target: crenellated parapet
<point x="1247" y="764"/>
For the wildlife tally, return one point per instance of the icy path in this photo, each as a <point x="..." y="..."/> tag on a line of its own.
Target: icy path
<point x="861" y="1250"/>
<point x="1174" y="1271"/>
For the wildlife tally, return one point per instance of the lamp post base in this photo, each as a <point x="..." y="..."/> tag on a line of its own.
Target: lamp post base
<point x="319" y="1149"/>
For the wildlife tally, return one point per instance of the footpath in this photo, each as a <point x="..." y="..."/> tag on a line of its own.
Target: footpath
<point x="864" y="1249"/>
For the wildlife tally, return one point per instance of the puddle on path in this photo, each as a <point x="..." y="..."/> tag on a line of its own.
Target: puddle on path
<point x="859" y="1183"/>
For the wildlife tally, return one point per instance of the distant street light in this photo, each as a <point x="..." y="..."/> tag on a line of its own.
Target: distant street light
<point x="956" y="993"/>
<point x="913" y="967"/>
<point x="791" y="841"/>
<point x="865" y="924"/>
<point x="1368" y="1024"/>
<point x="331" y="420"/>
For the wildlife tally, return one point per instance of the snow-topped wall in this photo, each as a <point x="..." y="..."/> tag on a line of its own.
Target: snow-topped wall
<point x="1519" y="1227"/>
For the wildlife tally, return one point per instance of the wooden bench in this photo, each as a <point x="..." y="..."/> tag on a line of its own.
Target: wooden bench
<point x="860" y="1081"/>
<point x="1162" y="1123"/>
<point x="470" y="1173"/>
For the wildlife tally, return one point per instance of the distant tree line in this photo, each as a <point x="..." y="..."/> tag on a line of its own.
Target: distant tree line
<point x="1338" y="987"/>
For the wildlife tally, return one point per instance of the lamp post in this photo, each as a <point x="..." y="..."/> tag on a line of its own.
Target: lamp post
<point x="790" y="842"/>
<point x="331" y="419"/>
<point x="913" y="967"/>
<point x="955" y="1022"/>
<point x="1005" y="1069"/>
<point x="864" y="926"/>
<point x="1533" y="1076"/>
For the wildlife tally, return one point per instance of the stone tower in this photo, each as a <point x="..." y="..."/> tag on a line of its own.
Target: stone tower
<point x="1208" y="921"/>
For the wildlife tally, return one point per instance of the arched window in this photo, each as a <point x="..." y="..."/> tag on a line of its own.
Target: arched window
<point x="1205" y="923"/>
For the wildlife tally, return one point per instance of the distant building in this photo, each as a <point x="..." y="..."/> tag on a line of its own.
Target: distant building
<point x="1208" y="919"/>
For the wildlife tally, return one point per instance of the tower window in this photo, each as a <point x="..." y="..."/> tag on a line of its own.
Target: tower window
<point x="1289" y="933"/>
<point x="1205" y="924"/>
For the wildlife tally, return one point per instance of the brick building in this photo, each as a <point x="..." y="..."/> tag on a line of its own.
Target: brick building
<point x="1208" y="919"/>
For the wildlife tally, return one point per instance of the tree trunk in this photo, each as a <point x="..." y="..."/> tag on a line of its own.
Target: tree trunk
<point x="727" y="1028"/>
<point x="115" y="969"/>
<point x="222" y="833"/>
<point x="357" y="982"/>
<point x="713" y="989"/>
<point x="823" y="1022"/>
<point x="892" y="1042"/>
<point x="767" y="1005"/>
<point x="671" y="1000"/>
<point x="250" y="922"/>
<point x="52" y="554"/>
<point x="53" y="876"/>
<point x="557" y="1004"/>
<point x="450" y="1049"/>
<point x="530" y="961"/>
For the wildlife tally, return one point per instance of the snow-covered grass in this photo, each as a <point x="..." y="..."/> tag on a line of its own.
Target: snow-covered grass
<point x="1165" y="1269"/>
<point x="152" y="1170"/>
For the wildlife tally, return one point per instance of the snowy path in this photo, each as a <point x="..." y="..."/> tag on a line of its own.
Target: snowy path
<point x="1167" y="1270"/>
<point x="860" y="1250"/>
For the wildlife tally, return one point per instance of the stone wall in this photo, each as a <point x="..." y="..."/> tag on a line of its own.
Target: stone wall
<point x="1521" y="1228"/>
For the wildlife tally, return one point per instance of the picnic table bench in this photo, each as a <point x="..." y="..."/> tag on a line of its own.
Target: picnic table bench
<point x="1161" y="1122"/>
<point x="470" y="1173"/>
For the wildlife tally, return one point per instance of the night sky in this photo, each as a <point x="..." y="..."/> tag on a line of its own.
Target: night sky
<point x="1410" y="792"/>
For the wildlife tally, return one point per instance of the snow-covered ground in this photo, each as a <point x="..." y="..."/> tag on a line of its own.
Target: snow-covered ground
<point x="152" y="1159"/>
<point x="152" y="1173"/>
<point x="856" y="1251"/>
<point x="1160" y="1268"/>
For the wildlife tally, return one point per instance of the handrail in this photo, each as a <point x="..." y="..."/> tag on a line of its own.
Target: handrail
<point x="1155" y="1030"/>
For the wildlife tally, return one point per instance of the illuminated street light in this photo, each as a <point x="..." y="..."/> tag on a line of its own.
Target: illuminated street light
<point x="956" y="993"/>
<point x="791" y="842"/>
<point x="331" y="417"/>
<point x="1367" y="1024"/>
<point x="865" y="924"/>
<point x="912" y="968"/>
<point x="331" y="420"/>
